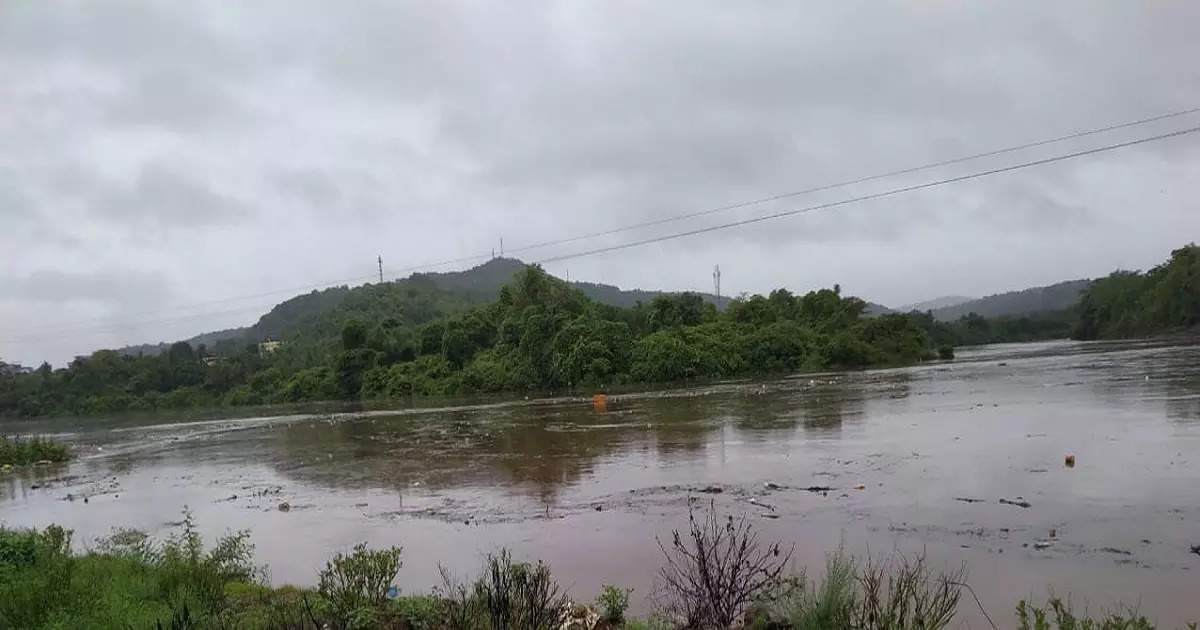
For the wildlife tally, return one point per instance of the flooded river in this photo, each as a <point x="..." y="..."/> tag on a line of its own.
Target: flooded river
<point x="903" y="450"/>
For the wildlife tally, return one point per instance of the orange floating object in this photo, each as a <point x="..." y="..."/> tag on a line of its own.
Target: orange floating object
<point x="600" y="403"/>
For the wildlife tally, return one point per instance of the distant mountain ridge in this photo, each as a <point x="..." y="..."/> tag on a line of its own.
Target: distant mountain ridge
<point x="945" y="301"/>
<point x="1054" y="297"/>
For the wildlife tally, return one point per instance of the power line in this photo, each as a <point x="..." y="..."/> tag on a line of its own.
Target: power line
<point x="113" y="327"/>
<point x="859" y="180"/>
<point x="72" y="326"/>
<point x="131" y="325"/>
<point x="878" y="195"/>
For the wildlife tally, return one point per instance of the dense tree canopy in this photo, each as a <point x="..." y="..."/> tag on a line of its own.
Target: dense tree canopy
<point x="412" y="338"/>
<point x="1129" y="304"/>
<point x="539" y="335"/>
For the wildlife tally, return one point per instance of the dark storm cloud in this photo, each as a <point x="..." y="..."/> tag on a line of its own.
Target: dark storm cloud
<point x="250" y="147"/>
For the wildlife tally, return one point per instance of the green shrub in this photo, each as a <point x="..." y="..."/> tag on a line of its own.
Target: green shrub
<point x="945" y="352"/>
<point x="613" y="603"/>
<point x="419" y="612"/>
<point x="356" y="585"/>
<point x="35" y="569"/>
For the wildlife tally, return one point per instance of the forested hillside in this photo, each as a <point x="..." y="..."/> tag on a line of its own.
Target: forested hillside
<point x="1132" y="304"/>
<point x="415" y="299"/>
<point x="540" y="334"/>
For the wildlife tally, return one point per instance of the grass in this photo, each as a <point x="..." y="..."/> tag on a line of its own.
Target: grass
<point x="1058" y="615"/>
<point x="15" y="451"/>
<point x="131" y="581"/>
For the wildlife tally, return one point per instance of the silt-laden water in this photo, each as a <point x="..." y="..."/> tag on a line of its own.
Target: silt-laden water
<point x="916" y="459"/>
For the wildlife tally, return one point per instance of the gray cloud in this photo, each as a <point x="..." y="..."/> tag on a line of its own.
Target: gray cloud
<point x="165" y="197"/>
<point x="108" y="287"/>
<point x="240" y="149"/>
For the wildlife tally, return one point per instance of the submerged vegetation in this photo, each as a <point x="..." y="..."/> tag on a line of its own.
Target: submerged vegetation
<point x="715" y="576"/>
<point x="17" y="451"/>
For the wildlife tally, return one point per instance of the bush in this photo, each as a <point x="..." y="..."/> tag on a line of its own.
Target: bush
<point x="713" y="576"/>
<point x="460" y="610"/>
<point x="419" y="612"/>
<point x="613" y="603"/>
<point x="356" y="583"/>
<point x="519" y="596"/>
<point x="945" y="352"/>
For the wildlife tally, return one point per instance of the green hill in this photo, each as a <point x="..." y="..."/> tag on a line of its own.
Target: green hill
<point x="414" y="300"/>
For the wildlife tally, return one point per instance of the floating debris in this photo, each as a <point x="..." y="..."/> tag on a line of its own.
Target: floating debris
<point x="970" y="500"/>
<point x="1020" y="502"/>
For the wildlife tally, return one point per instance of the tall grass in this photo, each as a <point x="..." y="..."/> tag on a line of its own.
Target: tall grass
<point x="129" y="583"/>
<point x="15" y="451"/>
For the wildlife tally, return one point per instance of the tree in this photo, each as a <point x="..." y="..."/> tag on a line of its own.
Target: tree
<point x="354" y="335"/>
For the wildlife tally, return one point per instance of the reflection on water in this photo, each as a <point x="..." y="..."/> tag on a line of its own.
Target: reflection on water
<point x="536" y="475"/>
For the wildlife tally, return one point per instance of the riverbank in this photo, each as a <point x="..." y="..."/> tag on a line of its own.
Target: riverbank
<point x="718" y="573"/>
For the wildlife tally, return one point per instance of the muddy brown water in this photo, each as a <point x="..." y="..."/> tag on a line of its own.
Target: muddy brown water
<point x="588" y="492"/>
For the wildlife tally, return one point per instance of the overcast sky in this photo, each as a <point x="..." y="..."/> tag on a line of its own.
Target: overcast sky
<point x="158" y="158"/>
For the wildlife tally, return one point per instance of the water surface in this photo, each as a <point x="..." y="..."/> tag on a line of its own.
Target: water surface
<point x="588" y="492"/>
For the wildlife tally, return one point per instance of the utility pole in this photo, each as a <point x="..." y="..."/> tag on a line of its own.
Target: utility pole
<point x="381" y="269"/>
<point x="717" y="283"/>
<point x="502" y="247"/>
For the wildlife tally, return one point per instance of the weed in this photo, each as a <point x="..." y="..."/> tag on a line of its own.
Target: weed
<point x="901" y="594"/>
<point x="1060" y="616"/>
<point x="795" y="603"/>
